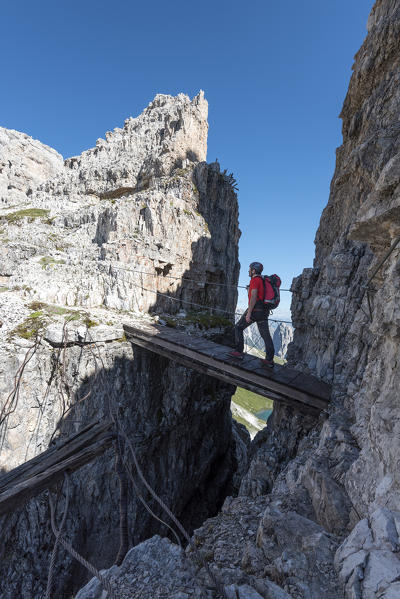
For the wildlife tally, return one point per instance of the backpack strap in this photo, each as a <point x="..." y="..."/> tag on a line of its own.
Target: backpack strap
<point x="263" y="282"/>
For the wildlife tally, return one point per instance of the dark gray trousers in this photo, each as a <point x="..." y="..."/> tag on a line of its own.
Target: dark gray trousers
<point x="260" y="316"/>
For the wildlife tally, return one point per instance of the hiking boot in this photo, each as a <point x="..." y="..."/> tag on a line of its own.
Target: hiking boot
<point x="236" y="354"/>
<point x="268" y="363"/>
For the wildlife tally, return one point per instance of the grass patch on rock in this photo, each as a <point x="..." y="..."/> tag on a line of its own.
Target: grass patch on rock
<point x="49" y="261"/>
<point x="29" y="213"/>
<point x="88" y="321"/>
<point x="170" y="322"/>
<point x="51" y="310"/>
<point x="205" y="320"/>
<point x="30" y="327"/>
<point x="43" y="314"/>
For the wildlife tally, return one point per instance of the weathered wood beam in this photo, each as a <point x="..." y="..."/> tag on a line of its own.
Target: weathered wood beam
<point x="207" y="360"/>
<point x="34" y="476"/>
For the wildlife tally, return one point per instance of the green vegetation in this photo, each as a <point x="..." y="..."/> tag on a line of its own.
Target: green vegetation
<point x="59" y="243"/>
<point x="88" y="321"/>
<point x="241" y="420"/>
<point x="257" y="407"/>
<point x="203" y="320"/>
<point x="251" y="401"/>
<point x="181" y="172"/>
<point x="30" y="213"/>
<point x="121" y="339"/>
<point x="187" y="212"/>
<point x="206" y="320"/>
<point x="50" y="310"/>
<point x="49" y="261"/>
<point x="3" y="288"/>
<point x="30" y="327"/>
<point x="171" y="322"/>
<point x="42" y="314"/>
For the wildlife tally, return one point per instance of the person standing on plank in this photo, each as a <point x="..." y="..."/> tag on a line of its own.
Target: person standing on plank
<point x="256" y="312"/>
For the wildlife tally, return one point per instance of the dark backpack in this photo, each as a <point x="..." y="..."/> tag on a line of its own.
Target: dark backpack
<point x="271" y="291"/>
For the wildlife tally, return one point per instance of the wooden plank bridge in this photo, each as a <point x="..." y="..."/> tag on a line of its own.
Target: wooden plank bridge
<point x="47" y="468"/>
<point x="305" y="392"/>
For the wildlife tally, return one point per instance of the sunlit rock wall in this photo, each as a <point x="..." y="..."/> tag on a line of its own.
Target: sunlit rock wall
<point x="25" y="163"/>
<point x="108" y="240"/>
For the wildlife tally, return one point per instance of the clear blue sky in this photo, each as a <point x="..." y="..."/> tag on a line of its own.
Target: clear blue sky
<point x="275" y="75"/>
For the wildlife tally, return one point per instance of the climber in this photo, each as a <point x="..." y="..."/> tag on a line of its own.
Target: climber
<point x="256" y="312"/>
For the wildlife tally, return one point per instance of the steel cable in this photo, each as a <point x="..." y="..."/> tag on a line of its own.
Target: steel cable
<point x="213" y="578"/>
<point x="57" y="541"/>
<point x="166" y="276"/>
<point x="115" y="419"/>
<point x="191" y="303"/>
<point x="92" y="569"/>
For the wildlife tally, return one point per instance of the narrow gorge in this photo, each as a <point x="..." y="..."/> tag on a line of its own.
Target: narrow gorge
<point x="141" y="229"/>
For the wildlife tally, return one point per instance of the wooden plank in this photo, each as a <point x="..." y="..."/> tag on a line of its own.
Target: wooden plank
<point x="250" y="361"/>
<point x="204" y="369"/>
<point x="21" y="492"/>
<point x="219" y="352"/>
<point x="38" y="463"/>
<point x="286" y="375"/>
<point x="282" y="374"/>
<point x="234" y="370"/>
<point x="277" y="374"/>
<point x="61" y="450"/>
<point x="236" y="373"/>
<point x="305" y="382"/>
<point x="310" y="384"/>
<point x="200" y="343"/>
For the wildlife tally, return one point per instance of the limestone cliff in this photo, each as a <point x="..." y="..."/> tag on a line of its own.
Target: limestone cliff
<point x="344" y="477"/>
<point x="25" y="163"/>
<point x="135" y="228"/>
<point x="318" y="512"/>
<point x="336" y="334"/>
<point x="283" y="335"/>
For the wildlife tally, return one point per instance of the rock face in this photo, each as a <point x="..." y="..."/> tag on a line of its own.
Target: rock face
<point x="283" y="335"/>
<point x="317" y="512"/>
<point x="368" y="561"/>
<point x="154" y="566"/>
<point x="25" y="163"/>
<point x="171" y="133"/>
<point x="321" y="519"/>
<point x="336" y="335"/>
<point x="137" y="227"/>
